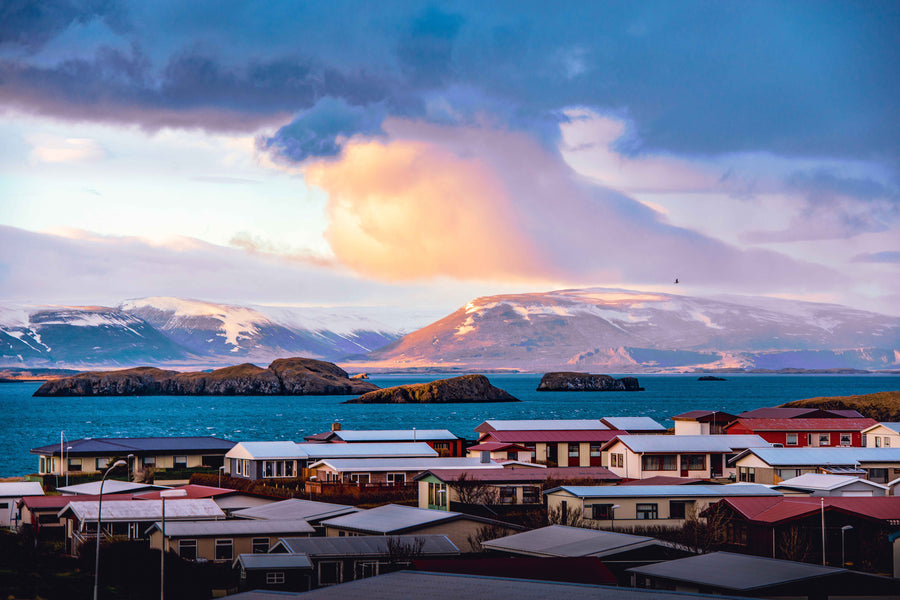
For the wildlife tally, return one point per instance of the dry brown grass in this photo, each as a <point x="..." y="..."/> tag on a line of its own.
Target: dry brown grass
<point x="881" y="406"/>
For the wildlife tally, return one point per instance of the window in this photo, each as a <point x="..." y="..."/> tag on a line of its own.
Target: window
<point x="824" y="439"/>
<point x="533" y="448"/>
<point x="75" y="464"/>
<point x="187" y="549"/>
<point x="747" y="474"/>
<point x="846" y="439"/>
<point x="237" y="466"/>
<point x="887" y="442"/>
<point x="621" y="460"/>
<point x="288" y="468"/>
<point x="4" y="505"/>
<point x="269" y="468"/>
<point x="788" y="473"/>
<point x="43" y="465"/>
<point x="274" y="577"/>
<point x="329" y="572"/>
<point x="442" y="448"/>
<point x="396" y="478"/>
<point x="659" y="462"/>
<point x="100" y="463"/>
<point x="678" y="509"/>
<point x="791" y="439"/>
<point x="246" y="467"/>
<point x="695" y="462"/>
<point x="531" y="494"/>
<point x="507" y="495"/>
<point x="366" y="568"/>
<point x="596" y="450"/>
<point x="148" y="461"/>
<point x="440" y="494"/>
<point x="512" y="455"/>
<point x="224" y="550"/>
<point x="359" y="478"/>
<point x="179" y="462"/>
<point x="878" y="441"/>
<point x="647" y="511"/>
<point x="601" y="512"/>
<point x="260" y="545"/>
<point x="573" y="450"/>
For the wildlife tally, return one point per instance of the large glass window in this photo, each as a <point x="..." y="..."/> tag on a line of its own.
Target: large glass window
<point x="601" y="512"/>
<point x="179" y="462"/>
<point x="647" y="511"/>
<point x="288" y="468"/>
<point x="659" y="462"/>
<point x="695" y="462"/>
<point x="75" y="464"/>
<point x="100" y="464"/>
<point x="224" y="550"/>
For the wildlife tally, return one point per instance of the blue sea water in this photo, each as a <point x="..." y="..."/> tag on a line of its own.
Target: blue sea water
<point x="29" y="422"/>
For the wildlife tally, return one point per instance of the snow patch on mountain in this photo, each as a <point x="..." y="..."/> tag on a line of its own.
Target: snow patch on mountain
<point x="236" y="321"/>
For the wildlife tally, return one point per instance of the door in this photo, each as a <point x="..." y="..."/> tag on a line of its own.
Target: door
<point x="552" y="453"/>
<point x="684" y="465"/>
<point x="715" y="465"/>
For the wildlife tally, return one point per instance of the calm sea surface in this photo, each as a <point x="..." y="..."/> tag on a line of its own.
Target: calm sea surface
<point x="29" y="422"/>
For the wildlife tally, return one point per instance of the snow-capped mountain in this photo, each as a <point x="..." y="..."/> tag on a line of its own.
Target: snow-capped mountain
<point x="623" y="330"/>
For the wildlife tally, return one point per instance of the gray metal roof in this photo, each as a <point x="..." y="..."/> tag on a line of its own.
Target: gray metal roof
<point x="406" y="435"/>
<point x="545" y="424"/>
<point x="294" y="508"/>
<point x="234" y="527"/>
<point x="823" y="481"/>
<point x="366" y="545"/>
<point x="691" y="443"/>
<point x="145" y="510"/>
<point x="252" y="562"/>
<point x="824" y="456"/>
<point x="447" y="586"/>
<point x="668" y="491"/>
<point x="367" y="450"/>
<point x="403" y="464"/>
<point x="633" y="424"/>
<point x="140" y="446"/>
<point x="389" y="518"/>
<point x="18" y="489"/>
<point x="560" y="540"/>
<point x="739" y="572"/>
<point x="110" y="486"/>
<point x="264" y="595"/>
<point x="264" y="450"/>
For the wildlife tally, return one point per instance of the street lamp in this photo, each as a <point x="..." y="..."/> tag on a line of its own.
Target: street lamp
<point x="221" y="470"/>
<point x="129" y="458"/>
<point x="844" y="530"/>
<point x="181" y="493"/>
<point x="69" y="451"/>
<point x="118" y="463"/>
<point x="612" y="516"/>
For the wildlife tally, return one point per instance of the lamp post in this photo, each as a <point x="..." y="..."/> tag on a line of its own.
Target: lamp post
<point x="162" y="552"/>
<point x="221" y="470"/>
<point x="612" y="516"/>
<point x="118" y="463"/>
<point x="844" y="530"/>
<point x="822" y="500"/>
<point x="130" y="459"/>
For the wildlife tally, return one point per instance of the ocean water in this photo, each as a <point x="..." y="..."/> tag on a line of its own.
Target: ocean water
<point x="29" y="422"/>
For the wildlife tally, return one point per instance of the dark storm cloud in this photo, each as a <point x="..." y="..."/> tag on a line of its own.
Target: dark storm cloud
<point x="30" y="24"/>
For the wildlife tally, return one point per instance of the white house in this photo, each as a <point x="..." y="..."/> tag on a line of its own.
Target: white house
<point x="824" y="484"/>
<point x="882" y="435"/>
<point x="10" y="494"/>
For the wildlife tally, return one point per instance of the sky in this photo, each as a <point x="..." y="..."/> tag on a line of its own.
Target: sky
<point x="409" y="154"/>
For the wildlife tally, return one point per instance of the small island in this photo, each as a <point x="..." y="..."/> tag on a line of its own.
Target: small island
<point x="284" y="377"/>
<point x="467" y="388"/>
<point x="711" y="378"/>
<point x="587" y="382"/>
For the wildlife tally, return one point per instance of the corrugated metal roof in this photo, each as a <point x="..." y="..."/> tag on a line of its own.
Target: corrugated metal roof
<point x="525" y="475"/>
<point x="394" y="435"/>
<point x="139" y="446"/>
<point x="192" y="491"/>
<point x="550" y="435"/>
<point x="705" y="416"/>
<point x="669" y="491"/>
<point x="110" y="486"/>
<point x="389" y="518"/>
<point x="560" y="540"/>
<point x="844" y="456"/>
<point x="804" y="424"/>
<point x="495" y="446"/>
<point x="574" y="569"/>
<point x="282" y="528"/>
<point x="824" y="481"/>
<point x="882" y="508"/>
<point x="252" y="562"/>
<point x="633" y="424"/>
<point x="264" y="595"/>
<point x="18" y="489"/>
<point x="665" y="480"/>
<point x="371" y="465"/>
<point x="452" y="586"/>
<point x="367" y="450"/>
<point x="145" y="510"/>
<point x="367" y="545"/>
<point x="294" y="508"/>
<point x="58" y="502"/>
<point x="266" y="450"/>
<point x="739" y="572"/>
<point x="540" y="424"/>
<point x="692" y="443"/>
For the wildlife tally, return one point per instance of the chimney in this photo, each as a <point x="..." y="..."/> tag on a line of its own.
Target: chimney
<point x="485" y="456"/>
<point x="335" y="426"/>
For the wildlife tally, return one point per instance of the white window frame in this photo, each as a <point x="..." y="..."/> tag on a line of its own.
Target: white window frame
<point x="826" y="437"/>
<point x="182" y="544"/>
<point x="274" y="577"/>
<point x="254" y="542"/>
<point x="355" y="477"/>
<point x="787" y="439"/>
<point x="224" y="543"/>
<point x="395" y="478"/>
<point x="849" y="437"/>
<point x="72" y="463"/>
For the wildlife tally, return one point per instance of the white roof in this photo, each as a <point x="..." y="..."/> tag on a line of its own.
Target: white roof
<point x="667" y="491"/>
<point x="283" y="528"/>
<point x="314" y="451"/>
<point x="822" y="456"/>
<point x="294" y="508"/>
<point x="145" y="510"/>
<point x="633" y="424"/>
<point x="348" y="465"/>
<point x="561" y="540"/>
<point x="410" y="435"/>
<point x="692" y="443"/>
<point x="546" y="424"/>
<point x="110" y="486"/>
<point x="19" y="489"/>
<point x="264" y="450"/>
<point x="824" y="481"/>
<point x="390" y="517"/>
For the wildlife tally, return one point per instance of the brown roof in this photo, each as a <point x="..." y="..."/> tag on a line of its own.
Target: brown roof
<point x="804" y="424"/>
<point x="526" y="474"/>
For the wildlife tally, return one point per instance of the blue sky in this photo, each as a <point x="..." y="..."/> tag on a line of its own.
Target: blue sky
<point x="400" y="152"/>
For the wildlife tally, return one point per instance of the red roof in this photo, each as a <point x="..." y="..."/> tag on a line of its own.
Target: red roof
<point x="193" y="492"/>
<point x="783" y="412"/>
<point x="496" y="447"/>
<point x="57" y="502"/>
<point x="579" y="569"/>
<point x="804" y="424"/>
<point x="535" y="474"/>
<point x="776" y="510"/>
<point x="552" y="435"/>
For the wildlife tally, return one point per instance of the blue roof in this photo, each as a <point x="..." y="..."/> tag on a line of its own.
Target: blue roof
<point x="823" y="456"/>
<point x="667" y="491"/>
<point x="138" y="446"/>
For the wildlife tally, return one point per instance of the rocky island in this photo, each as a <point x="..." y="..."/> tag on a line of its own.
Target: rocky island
<point x="587" y="382"/>
<point x="711" y="378"/>
<point x="467" y="388"/>
<point x="284" y="377"/>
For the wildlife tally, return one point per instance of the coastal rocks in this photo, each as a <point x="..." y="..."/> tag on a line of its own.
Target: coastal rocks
<point x="467" y="388"/>
<point x="288" y="376"/>
<point x="587" y="382"/>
